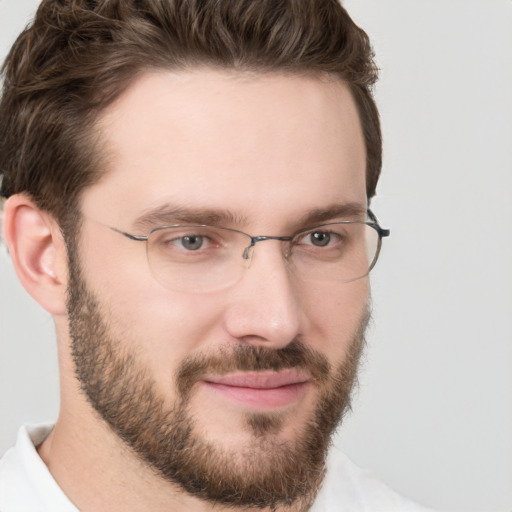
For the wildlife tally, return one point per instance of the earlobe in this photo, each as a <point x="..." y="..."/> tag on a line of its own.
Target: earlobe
<point x="37" y="251"/>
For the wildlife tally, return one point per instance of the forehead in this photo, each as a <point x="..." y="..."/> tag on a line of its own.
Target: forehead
<point x="258" y="145"/>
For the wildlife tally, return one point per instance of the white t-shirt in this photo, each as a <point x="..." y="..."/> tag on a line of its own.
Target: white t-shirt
<point x="26" y="485"/>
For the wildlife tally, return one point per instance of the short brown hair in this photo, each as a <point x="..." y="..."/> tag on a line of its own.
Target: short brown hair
<point x="79" y="55"/>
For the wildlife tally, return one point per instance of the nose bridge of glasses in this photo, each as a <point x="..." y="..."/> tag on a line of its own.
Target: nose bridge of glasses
<point x="249" y="250"/>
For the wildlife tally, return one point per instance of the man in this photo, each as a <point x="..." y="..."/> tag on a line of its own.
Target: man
<point x="187" y="189"/>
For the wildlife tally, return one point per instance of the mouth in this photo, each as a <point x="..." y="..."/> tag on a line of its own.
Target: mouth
<point x="260" y="390"/>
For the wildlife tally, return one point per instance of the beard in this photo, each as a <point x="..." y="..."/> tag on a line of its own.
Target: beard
<point x="265" y="472"/>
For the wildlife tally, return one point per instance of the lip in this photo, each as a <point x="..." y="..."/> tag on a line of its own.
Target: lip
<point x="260" y="390"/>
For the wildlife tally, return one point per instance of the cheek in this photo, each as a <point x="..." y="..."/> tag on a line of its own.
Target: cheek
<point x="167" y="325"/>
<point x="336" y="315"/>
<point x="152" y="320"/>
<point x="159" y="326"/>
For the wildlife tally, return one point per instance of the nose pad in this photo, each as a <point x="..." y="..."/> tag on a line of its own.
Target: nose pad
<point x="287" y="249"/>
<point x="248" y="254"/>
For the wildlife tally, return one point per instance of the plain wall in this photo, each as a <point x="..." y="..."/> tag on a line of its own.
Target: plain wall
<point x="433" y="413"/>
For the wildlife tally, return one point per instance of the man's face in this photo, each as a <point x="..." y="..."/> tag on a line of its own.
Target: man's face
<point x="232" y="394"/>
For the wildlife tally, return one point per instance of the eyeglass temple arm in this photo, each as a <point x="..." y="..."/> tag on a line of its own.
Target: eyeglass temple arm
<point x="373" y="219"/>
<point x="137" y="238"/>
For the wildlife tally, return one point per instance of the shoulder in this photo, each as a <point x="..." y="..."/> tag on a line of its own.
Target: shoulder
<point x="25" y="482"/>
<point x="348" y="488"/>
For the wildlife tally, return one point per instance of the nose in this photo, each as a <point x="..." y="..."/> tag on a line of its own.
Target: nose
<point x="264" y="306"/>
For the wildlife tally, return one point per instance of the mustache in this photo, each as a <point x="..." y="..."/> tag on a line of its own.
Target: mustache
<point x="250" y="358"/>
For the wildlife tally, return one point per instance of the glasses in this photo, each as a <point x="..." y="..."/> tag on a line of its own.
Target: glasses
<point x="200" y="258"/>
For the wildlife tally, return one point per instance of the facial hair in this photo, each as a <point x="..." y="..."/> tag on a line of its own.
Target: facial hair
<point x="268" y="472"/>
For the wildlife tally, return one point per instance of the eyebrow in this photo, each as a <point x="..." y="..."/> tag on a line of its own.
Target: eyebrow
<point x="345" y="211"/>
<point x="168" y="215"/>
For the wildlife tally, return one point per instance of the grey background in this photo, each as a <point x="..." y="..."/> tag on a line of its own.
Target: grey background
<point x="433" y="414"/>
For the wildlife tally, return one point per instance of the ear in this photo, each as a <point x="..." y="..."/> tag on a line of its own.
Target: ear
<point x="38" y="252"/>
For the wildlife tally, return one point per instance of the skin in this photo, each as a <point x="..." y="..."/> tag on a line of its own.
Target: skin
<point x="268" y="148"/>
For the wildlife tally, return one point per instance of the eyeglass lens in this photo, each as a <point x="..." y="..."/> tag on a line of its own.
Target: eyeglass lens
<point x="203" y="259"/>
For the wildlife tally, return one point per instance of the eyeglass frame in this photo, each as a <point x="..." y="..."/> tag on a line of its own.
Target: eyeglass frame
<point x="247" y="254"/>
